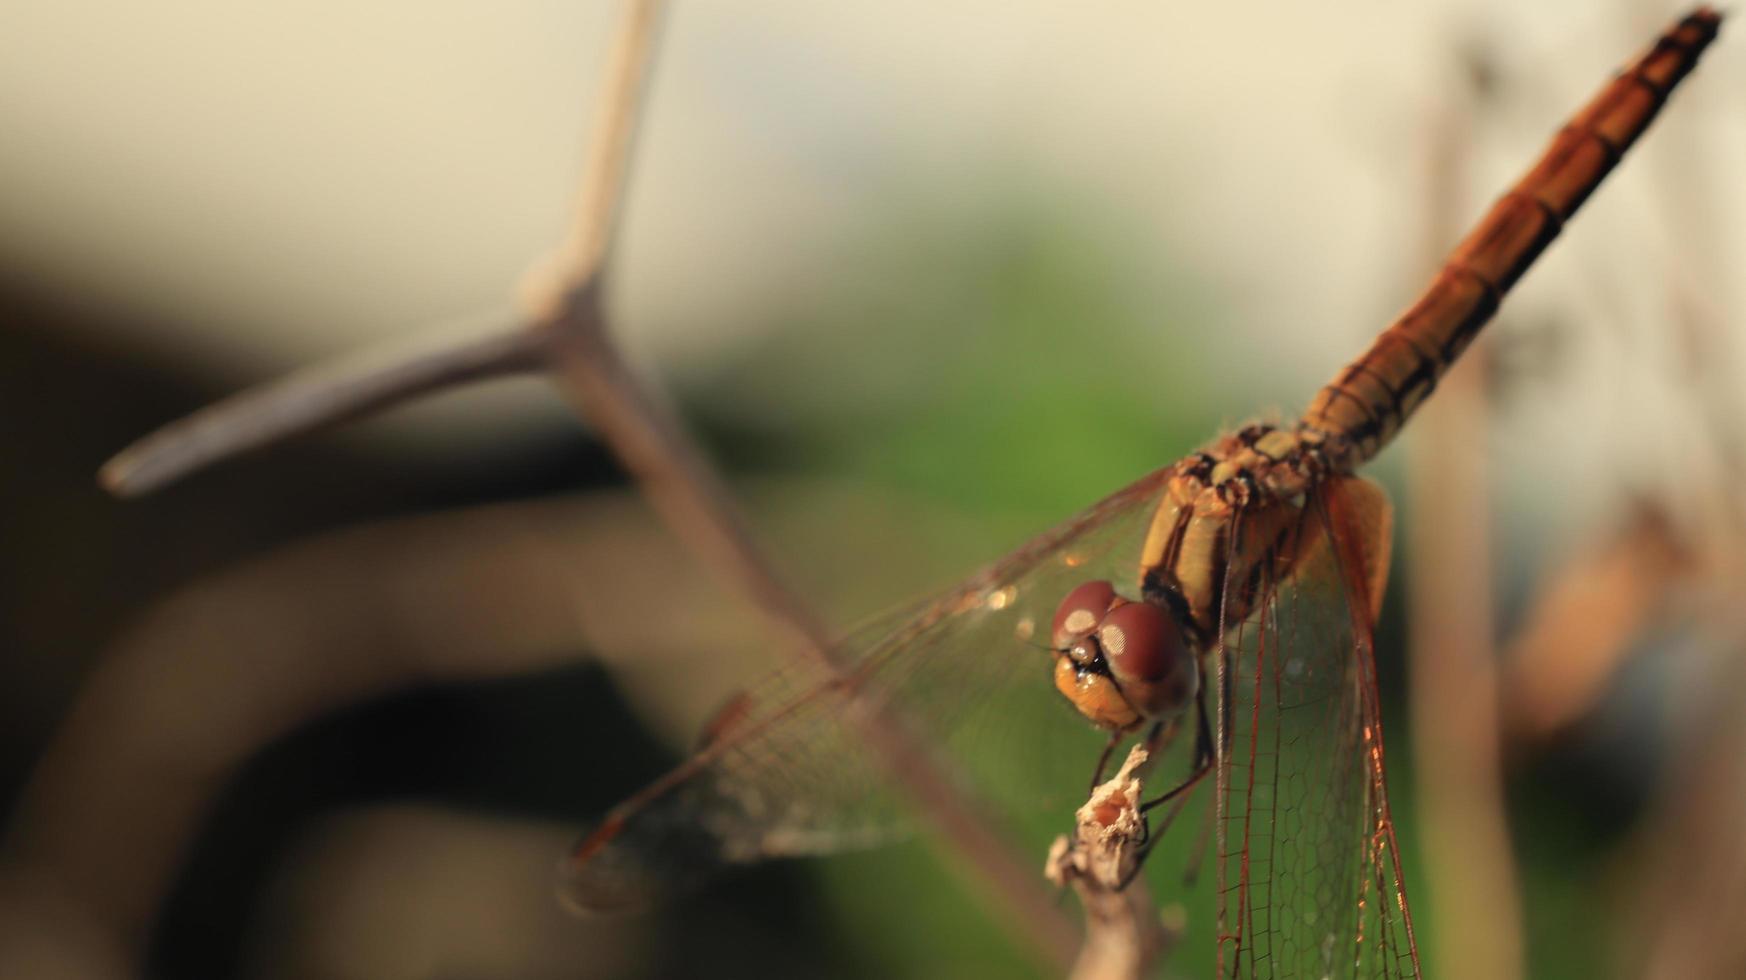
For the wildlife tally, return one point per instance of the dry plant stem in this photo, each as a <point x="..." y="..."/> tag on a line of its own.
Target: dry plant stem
<point x="309" y="400"/>
<point x="1124" y="936"/>
<point x="569" y="337"/>
<point x="1453" y="675"/>
<point x="1688" y="184"/>
<point x="600" y="192"/>
<point x="587" y="367"/>
<point x="1686" y="911"/>
<point x="669" y="470"/>
<point x="326" y="395"/>
<point x="690" y="498"/>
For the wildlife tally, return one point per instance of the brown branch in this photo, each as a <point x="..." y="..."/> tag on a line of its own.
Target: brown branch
<point x="568" y="330"/>
<point x="1452" y="690"/>
<point x="308" y="400"/>
<point x="571" y="268"/>
<point x="1124" y="935"/>
<point x="688" y="496"/>
<point x="326" y="395"/>
<point x="672" y="471"/>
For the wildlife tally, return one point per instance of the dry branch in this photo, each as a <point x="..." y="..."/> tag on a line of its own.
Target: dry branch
<point x="309" y="400"/>
<point x="1452" y="681"/>
<point x="567" y="329"/>
<point x="1123" y="934"/>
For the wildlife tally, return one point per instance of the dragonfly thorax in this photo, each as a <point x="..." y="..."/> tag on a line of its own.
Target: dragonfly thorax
<point x="1221" y="523"/>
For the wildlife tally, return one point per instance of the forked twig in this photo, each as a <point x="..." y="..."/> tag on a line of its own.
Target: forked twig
<point x="561" y="294"/>
<point x="565" y="330"/>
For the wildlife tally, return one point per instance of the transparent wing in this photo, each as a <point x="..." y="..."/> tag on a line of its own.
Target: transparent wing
<point x="784" y="772"/>
<point x="1309" y="875"/>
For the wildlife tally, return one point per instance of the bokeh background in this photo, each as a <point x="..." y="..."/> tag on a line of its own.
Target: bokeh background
<point x="924" y="279"/>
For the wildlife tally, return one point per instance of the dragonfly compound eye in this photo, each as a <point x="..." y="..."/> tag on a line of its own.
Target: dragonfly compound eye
<point x="1081" y="611"/>
<point x="1143" y="647"/>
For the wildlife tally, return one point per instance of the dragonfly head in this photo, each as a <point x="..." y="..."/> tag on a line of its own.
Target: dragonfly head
<point x="1121" y="663"/>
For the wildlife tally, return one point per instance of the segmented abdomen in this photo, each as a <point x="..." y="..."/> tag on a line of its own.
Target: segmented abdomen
<point x="1372" y="397"/>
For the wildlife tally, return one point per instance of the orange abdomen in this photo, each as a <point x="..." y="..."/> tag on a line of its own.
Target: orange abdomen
<point x="1367" y="403"/>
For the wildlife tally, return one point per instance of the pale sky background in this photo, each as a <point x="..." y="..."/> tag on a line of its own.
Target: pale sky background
<point x="277" y="183"/>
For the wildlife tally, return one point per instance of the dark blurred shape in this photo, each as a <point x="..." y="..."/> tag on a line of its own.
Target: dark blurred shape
<point x="78" y="566"/>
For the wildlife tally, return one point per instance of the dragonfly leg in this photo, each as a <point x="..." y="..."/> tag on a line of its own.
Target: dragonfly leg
<point x="1197" y="854"/>
<point x="1115" y="739"/>
<point x="1151" y="839"/>
<point x="1203" y="763"/>
<point x="1203" y="757"/>
<point x="1158" y="738"/>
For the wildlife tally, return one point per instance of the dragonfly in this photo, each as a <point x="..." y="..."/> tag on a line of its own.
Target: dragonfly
<point x="1230" y="597"/>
